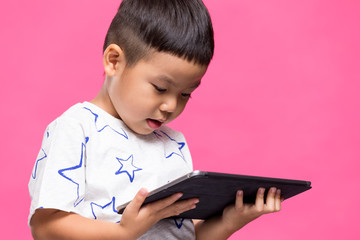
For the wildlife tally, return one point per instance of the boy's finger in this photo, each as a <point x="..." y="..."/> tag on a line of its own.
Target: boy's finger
<point x="270" y="199"/>
<point x="138" y="200"/>
<point x="278" y="200"/>
<point x="164" y="203"/>
<point x="179" y="207"/>
<point x="259" y="202"/>
<point x="239" y="202"/>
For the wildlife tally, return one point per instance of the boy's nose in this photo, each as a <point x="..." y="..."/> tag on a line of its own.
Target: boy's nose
<point x="169" y="105"/>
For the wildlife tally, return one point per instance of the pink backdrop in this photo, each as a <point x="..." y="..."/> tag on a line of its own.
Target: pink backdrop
<point x="280" y="99"/>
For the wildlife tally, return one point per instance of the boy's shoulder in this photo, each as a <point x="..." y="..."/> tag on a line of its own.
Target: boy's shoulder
<point x="82" y="114"/>
<point x="76" y="113"/>
<point x="86" y="111"/>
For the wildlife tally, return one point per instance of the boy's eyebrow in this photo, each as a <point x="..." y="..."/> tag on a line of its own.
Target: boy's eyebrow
<point x="166" y="79"/>
<point x="171" y="82"/>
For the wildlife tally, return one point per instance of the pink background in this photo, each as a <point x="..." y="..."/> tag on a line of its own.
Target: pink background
<point x="280" y="99"/>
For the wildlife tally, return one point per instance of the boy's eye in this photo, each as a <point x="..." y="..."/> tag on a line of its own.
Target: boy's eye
<point x="159" y="89"/>
<point x="186" y="95"/>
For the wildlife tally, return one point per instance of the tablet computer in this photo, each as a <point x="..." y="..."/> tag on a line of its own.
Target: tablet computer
<point x="218" y="190"/>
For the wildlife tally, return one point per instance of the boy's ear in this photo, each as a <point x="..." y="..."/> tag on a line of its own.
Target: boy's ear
<point x="113" y="59"/>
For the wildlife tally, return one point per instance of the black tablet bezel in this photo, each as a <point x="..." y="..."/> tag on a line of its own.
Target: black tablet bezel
<point x="217" y="190"/>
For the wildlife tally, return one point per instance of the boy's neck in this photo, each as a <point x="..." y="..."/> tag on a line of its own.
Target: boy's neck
<point x="103" y="101"/>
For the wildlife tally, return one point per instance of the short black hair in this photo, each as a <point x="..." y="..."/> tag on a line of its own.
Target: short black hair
<point x="179" y="27"/>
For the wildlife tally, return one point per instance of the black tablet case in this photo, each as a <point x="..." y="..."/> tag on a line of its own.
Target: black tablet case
<point x="218" y="190"/>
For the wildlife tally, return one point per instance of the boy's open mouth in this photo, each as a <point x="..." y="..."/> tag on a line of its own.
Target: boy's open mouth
<point x="154" y="123"/>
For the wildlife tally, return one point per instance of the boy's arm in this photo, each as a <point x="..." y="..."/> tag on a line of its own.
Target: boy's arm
<point x="136" y="220"/>
<point x="56" y="224"/>
<point x="237" y="216"/>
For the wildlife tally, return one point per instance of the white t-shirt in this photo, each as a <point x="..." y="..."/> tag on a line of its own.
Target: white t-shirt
<point x="90" y="162"/>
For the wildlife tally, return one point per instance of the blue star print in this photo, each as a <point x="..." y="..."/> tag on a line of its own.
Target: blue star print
<point x="180" y="223"/>
<point x="76" y="168"/>
<point x="37" y="162"/>
<point x="100" y="129"/>
<point x="98" y="209"/>
<point x="127" y="166"/>
<point x="173" y="148"/>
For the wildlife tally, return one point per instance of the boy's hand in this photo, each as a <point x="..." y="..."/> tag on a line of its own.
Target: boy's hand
<point x="140" y="219"/>
<point x="238" y="215"/>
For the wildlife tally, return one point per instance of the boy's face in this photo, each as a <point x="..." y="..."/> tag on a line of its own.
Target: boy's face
<point x="153" y="92"/>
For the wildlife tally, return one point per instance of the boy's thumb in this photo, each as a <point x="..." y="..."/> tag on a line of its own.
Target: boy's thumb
<point x="138" y="200"/>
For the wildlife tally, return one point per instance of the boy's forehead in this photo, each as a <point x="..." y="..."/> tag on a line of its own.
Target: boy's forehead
<point x="169" y="81"/>
<point x="172" y="70"/>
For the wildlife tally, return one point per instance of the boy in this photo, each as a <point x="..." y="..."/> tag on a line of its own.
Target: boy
<point x="102" y="153"/>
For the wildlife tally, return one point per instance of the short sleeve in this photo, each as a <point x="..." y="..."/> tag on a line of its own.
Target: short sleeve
<point x="58" y="177"/>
